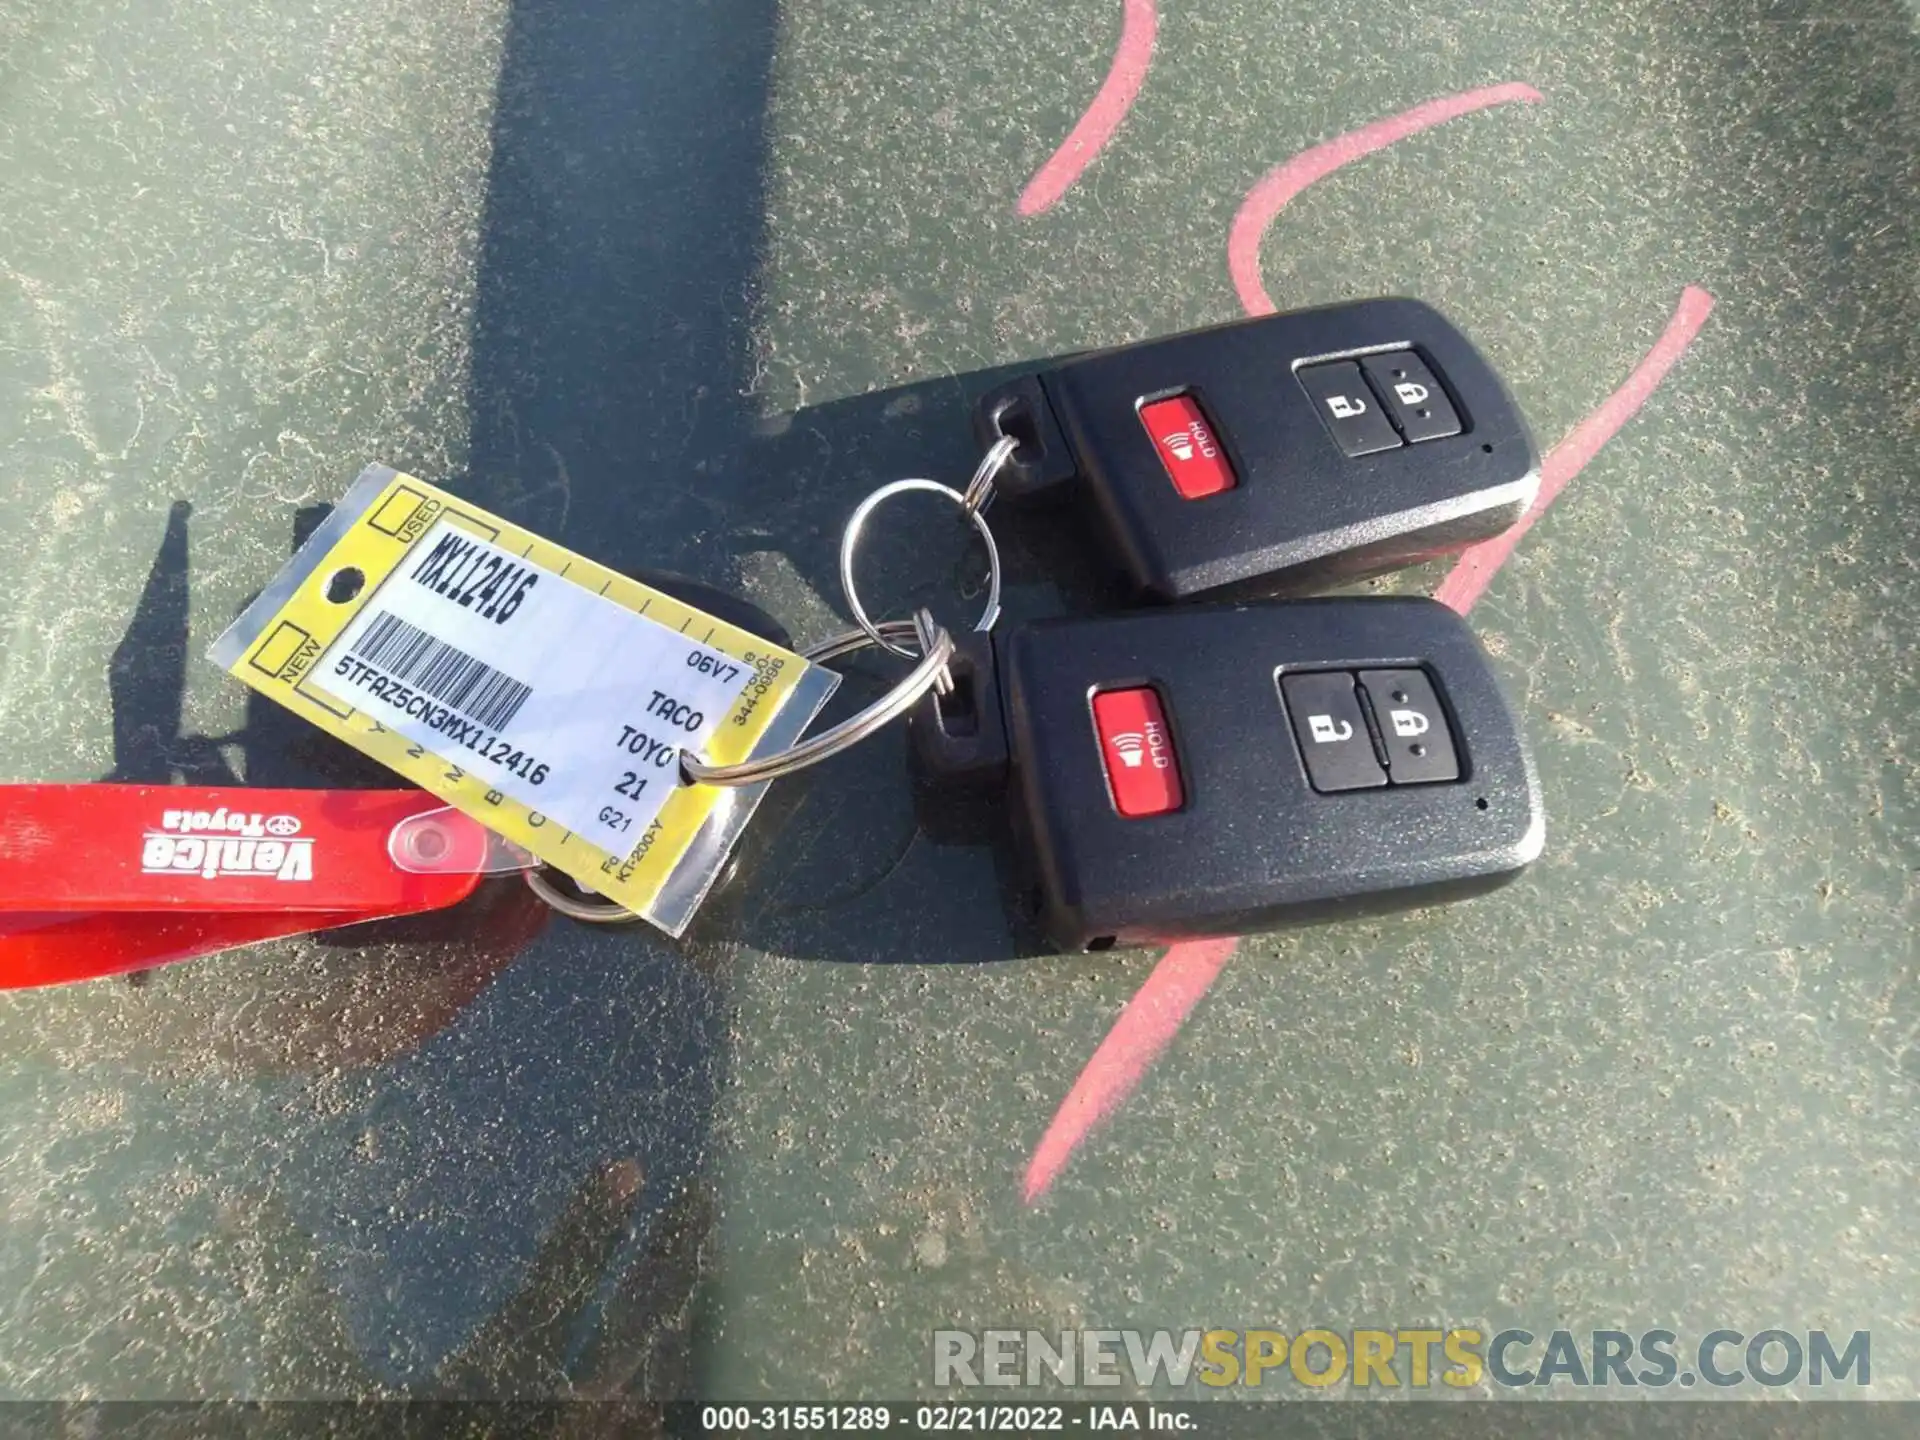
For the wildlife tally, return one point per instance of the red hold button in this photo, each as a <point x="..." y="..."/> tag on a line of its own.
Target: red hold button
<point x="1137" y="750"/>
<point x="1188" y="447"/>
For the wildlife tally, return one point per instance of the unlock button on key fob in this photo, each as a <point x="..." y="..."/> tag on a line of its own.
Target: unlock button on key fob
<point x="1332" y="732"/>
<point x="1350" y="409"/>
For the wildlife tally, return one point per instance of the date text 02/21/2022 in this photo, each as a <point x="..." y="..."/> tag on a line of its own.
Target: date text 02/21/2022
<point x="938" y="1419"/>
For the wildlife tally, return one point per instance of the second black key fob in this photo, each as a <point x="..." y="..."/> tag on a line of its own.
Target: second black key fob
<point x="1278" y="455"/>
<point x="1215" y="769"/>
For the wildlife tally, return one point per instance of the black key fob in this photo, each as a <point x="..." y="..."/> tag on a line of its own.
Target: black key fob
<point x="1273" y="456"/>
<point x="1213" y="770"/>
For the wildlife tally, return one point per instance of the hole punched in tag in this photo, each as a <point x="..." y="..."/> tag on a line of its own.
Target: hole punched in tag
<point x="345" y="584"/>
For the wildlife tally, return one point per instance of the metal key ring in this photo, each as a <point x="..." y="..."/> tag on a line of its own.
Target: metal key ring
<point x="601" y="911"/>
<point x="598" y="911"/>
<point x="849" y="642"/>
<point x="889" y="707"/>
<point x="979" y="493"/>
<point x="850" y="544"/>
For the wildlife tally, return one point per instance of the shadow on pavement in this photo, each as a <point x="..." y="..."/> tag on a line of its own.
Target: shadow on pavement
<point x="506" y="1193"/>
<point x="530" y="1220"/>
<point x="500" y="1176"/>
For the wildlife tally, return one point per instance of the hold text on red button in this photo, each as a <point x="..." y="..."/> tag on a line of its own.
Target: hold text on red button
<point x="1188" y="447"/>
<point x="1136" y="748"/>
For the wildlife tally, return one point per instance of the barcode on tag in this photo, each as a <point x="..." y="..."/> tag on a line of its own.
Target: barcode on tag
<point x="450" y="675"/>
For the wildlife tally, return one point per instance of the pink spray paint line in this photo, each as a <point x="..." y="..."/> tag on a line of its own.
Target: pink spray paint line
<point x="1158" y="1009"/>
<point x="1272" y="195"/>
<point x="1468" y="579"/>
<point x="1088" y="138"/>
<point x="1145" y="1028"/>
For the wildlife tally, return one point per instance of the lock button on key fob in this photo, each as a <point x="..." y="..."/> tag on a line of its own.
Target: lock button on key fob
<point x="1413" y="728"/>
<point x="1414" y="397"/>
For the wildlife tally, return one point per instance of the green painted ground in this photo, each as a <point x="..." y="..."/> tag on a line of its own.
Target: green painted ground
<point x="676" y="285"/>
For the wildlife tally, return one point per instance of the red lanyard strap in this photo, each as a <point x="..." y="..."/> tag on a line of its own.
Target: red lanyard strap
<point x="68" y="848"/>
<point x="101" y="879"/>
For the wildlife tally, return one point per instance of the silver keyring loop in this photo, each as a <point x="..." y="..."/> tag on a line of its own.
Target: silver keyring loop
<point x="849" y="642"/>
<point x="850" y="545"/>
<point x="889" y="707"/>
<point x="901" y="697"/>
<point x="607" y="912"/>
<point x="592" y="912"/>
<point x="979" y="493"/>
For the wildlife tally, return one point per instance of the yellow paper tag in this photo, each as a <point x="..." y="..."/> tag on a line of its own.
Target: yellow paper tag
<point x="544" y="695"/>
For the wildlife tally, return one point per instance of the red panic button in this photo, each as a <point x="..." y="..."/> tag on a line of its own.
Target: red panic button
<point x="1188" y="447"/>
<point x="1137" y="750"/>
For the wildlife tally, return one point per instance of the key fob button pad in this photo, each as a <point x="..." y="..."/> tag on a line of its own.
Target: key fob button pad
<point x="1136" y="749"/>
<point x="1195" y="463"/>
